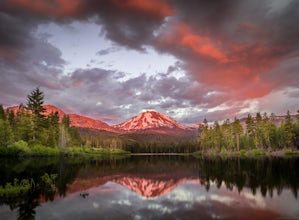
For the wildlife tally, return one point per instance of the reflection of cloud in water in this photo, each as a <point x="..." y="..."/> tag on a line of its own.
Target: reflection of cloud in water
<point x="189" y="200"/>
<point x="223" y="199"/>
<point x="122" y="202"/>
<point x="162" y="209"/>
<point x="95" y="205"/>
<point x="254" y="201"/>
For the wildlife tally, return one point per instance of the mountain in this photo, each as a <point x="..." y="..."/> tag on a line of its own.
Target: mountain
<point x="48" y="111"/>
<point x="76" y="120"/>
<point x="149" y="187"/>
<point x="86" y="122"/>
<point x="149" y="120"/>
<point x="149" y="126"/>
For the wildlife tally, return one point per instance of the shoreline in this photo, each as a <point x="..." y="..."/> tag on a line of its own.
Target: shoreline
<point x="249" y="153"/>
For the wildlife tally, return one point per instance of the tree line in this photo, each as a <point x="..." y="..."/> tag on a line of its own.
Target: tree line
<point x="259" y="132"/>
<point x="29" y="124"/>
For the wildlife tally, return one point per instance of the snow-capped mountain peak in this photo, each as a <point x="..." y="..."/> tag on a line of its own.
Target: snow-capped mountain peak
<point x="149" y="120"/>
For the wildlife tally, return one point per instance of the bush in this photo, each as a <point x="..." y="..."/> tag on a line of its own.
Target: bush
<point x="291" y="153"/>
<point x="16" y="188"/>
<point x="19" y="148"/>
<point x="258" y="152"/>
<point x="40" y="150"/>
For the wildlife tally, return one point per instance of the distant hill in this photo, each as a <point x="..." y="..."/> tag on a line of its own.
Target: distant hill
<point x="148" y="127"/>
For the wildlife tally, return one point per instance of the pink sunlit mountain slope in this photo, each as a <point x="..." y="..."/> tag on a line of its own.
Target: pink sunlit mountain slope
<point x="86" y="122"/>
<point x="49" y="110"/>
<point x="144" y="186"/>
<point x="149" y="187"/>
<point x="76" y="120"/>
<point x="149" y="120"/>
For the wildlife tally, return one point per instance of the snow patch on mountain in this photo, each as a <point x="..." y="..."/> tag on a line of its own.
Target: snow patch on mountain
<point x="149" y="120"/>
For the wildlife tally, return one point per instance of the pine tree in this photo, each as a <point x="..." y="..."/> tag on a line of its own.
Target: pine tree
<point x="205" y="136"/>
<point x="228" y="134"/>
<point x="5" y="131"/>
<point x="297" y="131"/>
<point x="53" y="129"/>
<point x="289" y="130"/>
<point x="24" y="128"/>
<point x="65" y="125"/>
<point x="258" y="137"/>
<point x="217" y="136"/>
<point x="35" y="103"/>
<point x="237" y="131"/>
<point x="2" y="113"/>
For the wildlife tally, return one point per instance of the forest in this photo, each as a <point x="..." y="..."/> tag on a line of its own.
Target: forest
<point x="260" y="132"/>
<point x="30" y="131"/>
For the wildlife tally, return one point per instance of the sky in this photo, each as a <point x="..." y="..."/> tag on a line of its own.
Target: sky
<point x="111" y="60"/>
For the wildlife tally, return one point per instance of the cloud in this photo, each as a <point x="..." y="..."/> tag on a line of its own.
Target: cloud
<point x="232" y="53"/>
<point x="107" y="51"/>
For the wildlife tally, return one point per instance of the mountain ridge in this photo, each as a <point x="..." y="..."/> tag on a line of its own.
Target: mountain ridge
<point x="146" y="122"/>
<point x="149" y="120"/>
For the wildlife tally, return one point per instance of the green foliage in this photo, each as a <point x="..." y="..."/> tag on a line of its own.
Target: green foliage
<point x="2" y="113"/>
<point x="258" y="152"/>
<point x="261" y="133"/>
<point x="15" y="189"/>
<point x="48" y="181"/>
<point x="5" y="133"/>
<point x="35" y="103"/>
<point x="242" y="152"/>
<point x="291" y="153"/>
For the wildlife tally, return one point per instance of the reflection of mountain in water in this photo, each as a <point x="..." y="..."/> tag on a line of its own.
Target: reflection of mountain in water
<point x="144" y="186"/>
<point x="154" y="176"/>
<point x="149" y="187"/>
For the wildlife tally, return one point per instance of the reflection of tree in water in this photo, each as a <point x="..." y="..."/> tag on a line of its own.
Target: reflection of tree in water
<point x="268" y="174"/>
<point x="264" y="174"/>
<point x="35" y="169"/>
<point x="26" y="209"/>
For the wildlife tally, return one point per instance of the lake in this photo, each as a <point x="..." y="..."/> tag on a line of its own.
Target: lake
<point x="152" y="187"/>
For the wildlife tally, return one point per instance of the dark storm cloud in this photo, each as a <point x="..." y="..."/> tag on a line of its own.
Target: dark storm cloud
<point x="13" y="31"/>
<point x="26" y="61"/>
<point x="130" y="23"/>
<point x="234" y="45"/>
<point x="230" y="50"/>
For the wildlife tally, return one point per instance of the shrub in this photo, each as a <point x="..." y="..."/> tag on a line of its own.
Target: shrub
<point x="258" y="152"/>
<point x="19" y="148"/>
<point x="242" y="152"/>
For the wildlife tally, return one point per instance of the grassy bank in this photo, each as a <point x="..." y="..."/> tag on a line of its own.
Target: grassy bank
<point x="22" y="149"/>
<point x="249" y="153"/>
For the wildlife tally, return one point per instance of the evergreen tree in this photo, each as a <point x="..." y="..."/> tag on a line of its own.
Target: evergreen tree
<point x="2" y="113"/>
<point x="250" y="128"/>
<point x="258" y="137"/>
<point x="237" y="131"/>
<point x="228" y="135"/>
<point x="217" y="136"/>
<point x="297" y="131"/>
<point x="11" y="118"/>
<point x="289" y="130"/>
<point x="24" y="128"/>
<point x="53" y="129"/>
<point x="205" y="136"/>
<point x="65" y="125"/>
<point x="35" y="103"/>
<point x="5" y="132"/>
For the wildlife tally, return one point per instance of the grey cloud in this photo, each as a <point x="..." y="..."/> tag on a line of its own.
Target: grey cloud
<point x="268" y="41"/>
<point x="107" y="51"/>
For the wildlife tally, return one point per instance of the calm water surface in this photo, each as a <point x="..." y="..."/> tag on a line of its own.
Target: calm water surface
<point x="154" y="187"/>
